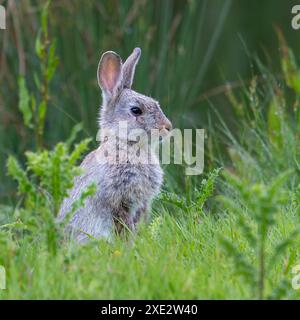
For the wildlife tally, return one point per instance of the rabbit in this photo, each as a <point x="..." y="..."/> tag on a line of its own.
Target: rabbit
<point x="124" y="189"/>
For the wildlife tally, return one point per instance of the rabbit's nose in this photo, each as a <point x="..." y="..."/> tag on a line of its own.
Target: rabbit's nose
<point x="167" y="125"/>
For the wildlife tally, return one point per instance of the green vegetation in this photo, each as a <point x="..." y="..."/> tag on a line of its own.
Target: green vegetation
<point x="231" y="233"/>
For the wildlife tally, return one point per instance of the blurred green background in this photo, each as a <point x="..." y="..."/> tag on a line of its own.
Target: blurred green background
<point x="191" y="51"/>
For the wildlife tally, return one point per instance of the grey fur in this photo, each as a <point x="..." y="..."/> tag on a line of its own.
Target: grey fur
<point x="124" y="190"/>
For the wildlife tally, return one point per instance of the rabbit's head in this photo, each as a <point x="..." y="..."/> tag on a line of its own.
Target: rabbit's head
<point x="121" y="103"/>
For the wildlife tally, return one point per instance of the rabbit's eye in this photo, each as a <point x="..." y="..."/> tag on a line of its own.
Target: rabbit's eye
<point x="136" y="111"/>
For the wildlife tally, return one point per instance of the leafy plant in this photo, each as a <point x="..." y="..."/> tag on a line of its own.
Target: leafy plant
<point x="199" y="196"/>
<point x="44" y="184"/>
<point x="255" y="209"/>
<point x="34" y="105"/>
<point x="48" y="175"/>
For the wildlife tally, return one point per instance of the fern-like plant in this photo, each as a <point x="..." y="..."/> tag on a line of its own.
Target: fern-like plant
<point x="255" y="208"/>
<point x="34" y="105"/>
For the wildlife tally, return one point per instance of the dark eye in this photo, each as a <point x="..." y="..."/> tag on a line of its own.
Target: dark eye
<point x="136" y="111"/>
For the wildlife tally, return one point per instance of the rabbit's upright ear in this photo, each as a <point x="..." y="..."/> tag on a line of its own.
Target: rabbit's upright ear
<point x="109" y="73"/>
<point x="129" y="67"/>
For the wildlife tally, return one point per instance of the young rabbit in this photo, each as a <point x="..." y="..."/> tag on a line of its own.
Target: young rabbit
<point x="125" y="188"/>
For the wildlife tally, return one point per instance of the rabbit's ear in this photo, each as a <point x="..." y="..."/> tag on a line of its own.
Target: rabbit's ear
<point x="129" y="67"/>
<point x="110" y="73"/>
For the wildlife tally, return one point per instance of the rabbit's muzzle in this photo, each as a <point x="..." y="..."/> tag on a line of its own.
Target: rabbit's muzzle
<point x="165" y="127"/>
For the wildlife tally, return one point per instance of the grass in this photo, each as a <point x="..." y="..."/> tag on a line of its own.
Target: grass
<point x="181" y="261"/>
<point x="231" y="233"/>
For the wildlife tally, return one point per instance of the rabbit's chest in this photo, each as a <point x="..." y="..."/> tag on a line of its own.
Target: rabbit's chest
<point x="135" y="183"/>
